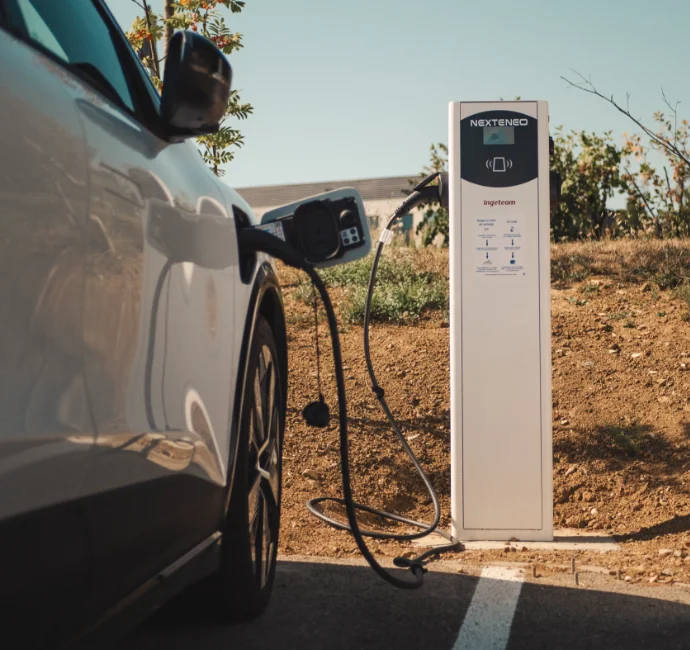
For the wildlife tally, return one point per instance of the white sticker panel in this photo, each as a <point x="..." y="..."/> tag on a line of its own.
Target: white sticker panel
<point x="499" y="246"/>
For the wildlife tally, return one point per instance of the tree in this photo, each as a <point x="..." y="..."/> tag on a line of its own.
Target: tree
<point x="434" y="221"/>
<point x="203" y="16"/>
<point x="662" y="199"/>
<point x="589" y="166"/>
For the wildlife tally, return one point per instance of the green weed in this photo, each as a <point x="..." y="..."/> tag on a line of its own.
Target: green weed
<point x="627" y="439"/>
<point x="403" y="292"/>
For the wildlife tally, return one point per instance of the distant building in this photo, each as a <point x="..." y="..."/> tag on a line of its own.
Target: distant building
<point x="381" y="196"/>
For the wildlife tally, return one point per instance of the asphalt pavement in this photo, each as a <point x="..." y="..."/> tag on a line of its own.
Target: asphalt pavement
<point x="320" y="605"/>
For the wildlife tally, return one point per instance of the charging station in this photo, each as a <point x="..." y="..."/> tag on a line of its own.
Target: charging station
<point x="500" y="325"/>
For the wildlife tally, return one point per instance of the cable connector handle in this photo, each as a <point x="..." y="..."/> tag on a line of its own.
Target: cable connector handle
<point x="426" y="181"/>
<point x="436" y="193"/>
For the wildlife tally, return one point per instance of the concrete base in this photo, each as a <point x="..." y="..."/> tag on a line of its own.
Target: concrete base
<point x="565" y="539"/>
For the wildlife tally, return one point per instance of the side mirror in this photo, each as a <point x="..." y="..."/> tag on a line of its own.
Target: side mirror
<point x="196" y="85"/>
<point x="328" y="229"/>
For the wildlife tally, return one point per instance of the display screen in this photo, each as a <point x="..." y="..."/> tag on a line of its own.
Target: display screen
<point x="499" y="135"/>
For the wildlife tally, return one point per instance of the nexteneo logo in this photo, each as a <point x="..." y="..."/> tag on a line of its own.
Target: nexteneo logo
<point x="518" y="121"/>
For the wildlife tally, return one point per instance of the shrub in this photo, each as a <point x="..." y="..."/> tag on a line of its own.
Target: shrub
<point x="403" y="292"/>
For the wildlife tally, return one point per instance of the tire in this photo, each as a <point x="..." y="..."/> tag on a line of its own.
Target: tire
<point x="249" y="546"/>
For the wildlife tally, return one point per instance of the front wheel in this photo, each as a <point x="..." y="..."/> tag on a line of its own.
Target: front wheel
<point x="250" y="534"/>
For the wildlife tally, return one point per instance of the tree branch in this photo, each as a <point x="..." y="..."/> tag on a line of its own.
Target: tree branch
<point x="154" y="49"/>
<point x="669" y="205"/>
<point x="167" y="27"/>
<point x="587" y="86"/>
<point x="648" y="207"/>
<point x="674" y="110"/>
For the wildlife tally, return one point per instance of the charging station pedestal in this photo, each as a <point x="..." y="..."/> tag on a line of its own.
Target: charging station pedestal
<point x="500" y="323"/>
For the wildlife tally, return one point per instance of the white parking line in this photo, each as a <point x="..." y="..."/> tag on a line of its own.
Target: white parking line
<point x="490" y="615"/>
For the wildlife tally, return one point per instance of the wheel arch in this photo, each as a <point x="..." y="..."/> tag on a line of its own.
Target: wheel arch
<point x="271" y="308"/>
<point x="265" y="300"/>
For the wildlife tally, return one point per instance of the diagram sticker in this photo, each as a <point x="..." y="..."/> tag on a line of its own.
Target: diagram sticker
<point x="500" y="246"/>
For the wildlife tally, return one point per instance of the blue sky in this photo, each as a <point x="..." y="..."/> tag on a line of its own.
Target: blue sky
<point x="360" y="88"/>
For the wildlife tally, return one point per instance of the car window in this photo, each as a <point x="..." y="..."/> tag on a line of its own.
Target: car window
<point x="37" y="30"/>
<point x="74" y="31"/>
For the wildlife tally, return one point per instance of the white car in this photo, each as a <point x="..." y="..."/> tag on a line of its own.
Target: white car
<point x="143" y="360"/>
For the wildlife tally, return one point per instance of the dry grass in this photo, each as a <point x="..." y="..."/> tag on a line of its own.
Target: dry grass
<point x="661" y="264"/>
<point x="664" y="263"/>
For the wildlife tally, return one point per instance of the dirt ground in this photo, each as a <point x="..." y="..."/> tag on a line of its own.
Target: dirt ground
<point x="621" y="426"/>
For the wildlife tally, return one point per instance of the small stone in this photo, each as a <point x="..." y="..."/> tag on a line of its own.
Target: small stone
<point x="612" y="351"/>
<point x="593" y="511"/>
<point x="665" y="552"/>
<point x="645" y="287"/>
<point x="413" y="437"/>
<point x="628" y="578"/>
<point x="636" y="355"/>
<point x="564" y="422"/>
<point x="683" y="367"/>
<point x="311" y="474"/>
<point x="668" y="572"/>
<point x="571" y="470"/>
<point x="653" y="578"/>
<point x="678" y="553"/>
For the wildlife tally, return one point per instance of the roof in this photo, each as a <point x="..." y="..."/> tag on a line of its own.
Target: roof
<point x="371" y="189"/>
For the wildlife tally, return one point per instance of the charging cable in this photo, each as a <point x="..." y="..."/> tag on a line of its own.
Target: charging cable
<point x="257" y="240"/>
<point x="425" y="192"/>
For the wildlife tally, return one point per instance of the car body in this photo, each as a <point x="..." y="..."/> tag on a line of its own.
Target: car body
<point x="122" y="371"/>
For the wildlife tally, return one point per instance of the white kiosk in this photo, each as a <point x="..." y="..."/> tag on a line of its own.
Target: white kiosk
<point x="501" y="447"/>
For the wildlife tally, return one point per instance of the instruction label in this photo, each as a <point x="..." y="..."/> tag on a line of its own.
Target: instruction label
<point x="500" y="246"/>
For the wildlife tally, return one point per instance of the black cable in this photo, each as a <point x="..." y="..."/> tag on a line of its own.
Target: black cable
<point x="316" y="340"/>
<point x="423" y="193"/>
<point x="259" y="240"/>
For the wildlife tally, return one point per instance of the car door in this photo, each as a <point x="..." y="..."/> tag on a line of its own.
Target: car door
<point x="159" y="359"/>
<point x="45" y="430"/>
